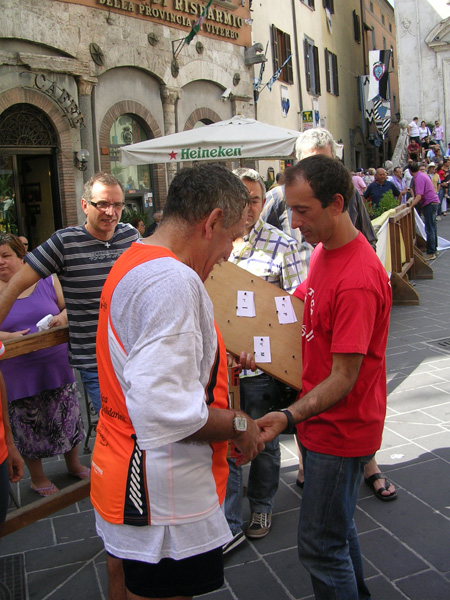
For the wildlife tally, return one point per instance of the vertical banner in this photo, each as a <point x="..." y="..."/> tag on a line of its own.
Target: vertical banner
<point x="379" y="73"/>
<point x="376" y="109"/>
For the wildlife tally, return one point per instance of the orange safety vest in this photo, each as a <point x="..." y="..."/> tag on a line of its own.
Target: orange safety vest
<point x="119" y="490"/>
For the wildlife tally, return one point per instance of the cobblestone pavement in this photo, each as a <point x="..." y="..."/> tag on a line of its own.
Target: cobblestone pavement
<point x="405" y="544"/>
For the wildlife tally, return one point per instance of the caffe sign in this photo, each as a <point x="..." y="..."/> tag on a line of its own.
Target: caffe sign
<point x="61" y="96"/>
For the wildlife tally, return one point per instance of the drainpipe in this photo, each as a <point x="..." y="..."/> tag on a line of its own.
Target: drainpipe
<point x="294" y="18"/>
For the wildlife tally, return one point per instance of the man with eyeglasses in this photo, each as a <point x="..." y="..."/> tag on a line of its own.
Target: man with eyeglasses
<point x="82" y="257"/>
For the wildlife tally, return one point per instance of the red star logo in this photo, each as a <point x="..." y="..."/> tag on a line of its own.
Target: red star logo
<point x="172" y="155"/>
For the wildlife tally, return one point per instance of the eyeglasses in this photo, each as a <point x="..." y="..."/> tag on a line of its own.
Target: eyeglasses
<point x="105" y="205"/>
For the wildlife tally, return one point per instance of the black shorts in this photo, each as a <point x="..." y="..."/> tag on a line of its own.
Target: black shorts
<point x="191" y="576"/>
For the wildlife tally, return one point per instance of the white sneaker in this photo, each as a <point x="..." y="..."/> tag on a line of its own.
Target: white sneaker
<point x="259" y="525"/>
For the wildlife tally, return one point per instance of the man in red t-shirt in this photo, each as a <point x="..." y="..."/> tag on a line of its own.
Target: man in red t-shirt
<point x="341" y="412"/>
<point x="413" y="150"/>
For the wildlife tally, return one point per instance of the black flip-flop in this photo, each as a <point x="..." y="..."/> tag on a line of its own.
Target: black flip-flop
<point x="378" y="493"/>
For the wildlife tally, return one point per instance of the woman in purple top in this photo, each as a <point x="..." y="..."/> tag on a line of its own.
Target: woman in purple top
<point x="43" y="403"/>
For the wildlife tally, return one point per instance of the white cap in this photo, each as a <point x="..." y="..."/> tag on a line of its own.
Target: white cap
<point x="431" y="164"/>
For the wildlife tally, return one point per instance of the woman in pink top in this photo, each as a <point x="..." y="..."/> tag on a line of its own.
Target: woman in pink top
<point x="358" y="181"/>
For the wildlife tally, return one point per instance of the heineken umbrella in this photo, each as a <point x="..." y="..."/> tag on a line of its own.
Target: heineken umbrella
<point x="232" y="139"/>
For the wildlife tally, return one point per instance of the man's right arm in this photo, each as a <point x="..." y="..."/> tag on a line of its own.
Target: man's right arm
<point x="339" y="383"/>
<point x="219" y="427"/>
<point x="22" y="280"/>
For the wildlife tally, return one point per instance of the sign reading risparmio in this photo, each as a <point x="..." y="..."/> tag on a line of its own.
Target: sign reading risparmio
<point x="200" y="153"/>
<point x="230" y="24"/>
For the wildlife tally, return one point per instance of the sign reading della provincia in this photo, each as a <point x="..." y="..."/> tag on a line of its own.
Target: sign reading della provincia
<point x="226" y="19"/>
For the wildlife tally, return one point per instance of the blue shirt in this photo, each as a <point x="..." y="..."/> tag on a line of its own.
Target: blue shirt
<point x="375" y="191"/>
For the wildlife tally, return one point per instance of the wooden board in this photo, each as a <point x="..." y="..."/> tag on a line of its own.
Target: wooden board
<point x="40" y="509"/>
<point x="285" y="340"/>
<point x="35" y="341"/>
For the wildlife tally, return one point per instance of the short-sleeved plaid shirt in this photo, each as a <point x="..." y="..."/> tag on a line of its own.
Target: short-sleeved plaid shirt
<point x="272" y="255"/>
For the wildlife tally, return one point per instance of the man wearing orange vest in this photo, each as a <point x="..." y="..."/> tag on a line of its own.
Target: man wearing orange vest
<point x="159" y="466"/>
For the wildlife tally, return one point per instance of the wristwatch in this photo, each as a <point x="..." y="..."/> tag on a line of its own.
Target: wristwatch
<point x="239" y="423"/>
<point x="290" y="428"/>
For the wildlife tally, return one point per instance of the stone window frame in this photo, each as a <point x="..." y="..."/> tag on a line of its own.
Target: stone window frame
<point x="198" y="115"/>
<point x="140" y="111"/>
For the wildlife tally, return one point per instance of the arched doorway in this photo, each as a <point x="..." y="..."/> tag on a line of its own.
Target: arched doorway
<point x="29" y="197"/>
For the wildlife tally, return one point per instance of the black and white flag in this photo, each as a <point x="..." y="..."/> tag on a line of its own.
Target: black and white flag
<point x="379" y="73"/>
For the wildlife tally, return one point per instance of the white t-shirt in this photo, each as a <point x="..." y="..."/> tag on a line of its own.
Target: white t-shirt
<point x="177" y="344"/>
<point x="413" y="129"/>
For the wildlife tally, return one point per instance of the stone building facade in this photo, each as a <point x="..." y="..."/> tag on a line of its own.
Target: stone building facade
<point x="423" y="41"/>
<point x="92" y="75"/>
<point x="321" y="86"/>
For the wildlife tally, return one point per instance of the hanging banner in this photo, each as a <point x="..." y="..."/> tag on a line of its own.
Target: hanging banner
<point x="377" y="109"/>
<point x="379" y="73"/>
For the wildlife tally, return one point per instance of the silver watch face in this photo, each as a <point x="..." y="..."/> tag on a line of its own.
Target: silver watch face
<point x="240" y="423"/>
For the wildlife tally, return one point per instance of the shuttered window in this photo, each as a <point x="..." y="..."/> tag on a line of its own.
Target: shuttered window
<point x="332" y="77"/>
<point x="281" y="49"/>
<point x="357" y="27"/>
<point x="329" y="4"/>
<point x="312" y="71"/>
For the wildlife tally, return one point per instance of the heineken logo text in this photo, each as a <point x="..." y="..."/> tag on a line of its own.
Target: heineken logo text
<point x="219" y="152"/>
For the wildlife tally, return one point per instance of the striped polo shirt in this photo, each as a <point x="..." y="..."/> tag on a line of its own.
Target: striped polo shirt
<point x="82" y="264"/>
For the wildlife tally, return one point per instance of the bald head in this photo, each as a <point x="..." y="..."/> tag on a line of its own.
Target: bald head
<point x="380" y="176"/>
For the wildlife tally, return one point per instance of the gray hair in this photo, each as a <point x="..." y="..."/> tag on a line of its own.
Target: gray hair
<point x="314" y="138"/>
<point x="252" y="175"/>
<point x="195" y="192"/>
<point x="104" y="178"/>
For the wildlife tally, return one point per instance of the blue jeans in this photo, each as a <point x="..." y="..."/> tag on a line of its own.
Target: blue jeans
<point x="258" y="396"/>
<point x="89" y="377"/>
<point x="328" y="544"/>
<point x="429" y="217"/>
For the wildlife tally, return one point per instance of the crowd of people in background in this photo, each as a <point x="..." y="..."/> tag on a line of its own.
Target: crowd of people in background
<point x="427" y="155"/>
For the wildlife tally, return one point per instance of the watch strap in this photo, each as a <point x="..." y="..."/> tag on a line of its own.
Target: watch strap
<point x="290" y="428"/>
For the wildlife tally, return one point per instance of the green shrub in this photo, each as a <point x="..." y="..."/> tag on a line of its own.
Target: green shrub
<point x="388" y="201"/>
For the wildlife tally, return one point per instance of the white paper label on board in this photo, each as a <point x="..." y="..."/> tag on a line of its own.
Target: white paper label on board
<point x="245" y="304"/>
<point x="285" y="310"/>
<point x="261" y="345"/>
